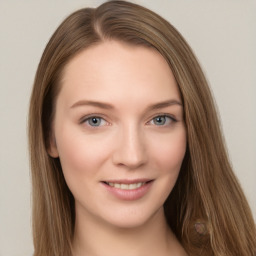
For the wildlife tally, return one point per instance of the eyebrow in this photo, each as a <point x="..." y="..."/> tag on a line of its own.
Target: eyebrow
<point x="103" y="105"/>
<point x="92" y="103"/>
<point x="164" y="104"/>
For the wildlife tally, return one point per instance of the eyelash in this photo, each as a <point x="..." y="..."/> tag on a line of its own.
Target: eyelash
<point x="171" y="119"/>
<point x="87" y="119"/>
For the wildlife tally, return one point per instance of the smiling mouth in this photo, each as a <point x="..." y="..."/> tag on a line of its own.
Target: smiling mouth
<point x="127" y="189"/>
<point x="126" y="186"/>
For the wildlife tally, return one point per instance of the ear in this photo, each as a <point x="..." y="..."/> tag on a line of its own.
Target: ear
<point x="52" y="147"/>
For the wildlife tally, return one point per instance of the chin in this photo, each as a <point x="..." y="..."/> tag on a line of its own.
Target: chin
<point x="132" y="219"/>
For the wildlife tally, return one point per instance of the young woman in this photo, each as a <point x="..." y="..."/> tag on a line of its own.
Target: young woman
<point x="127" y="157"/>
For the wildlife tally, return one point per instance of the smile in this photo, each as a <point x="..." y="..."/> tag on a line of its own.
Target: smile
<point x="126" y="186"/>
<point x="128" y="189"/>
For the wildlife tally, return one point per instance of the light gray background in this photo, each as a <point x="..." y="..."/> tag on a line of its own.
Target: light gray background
<point x="223" y="36"/>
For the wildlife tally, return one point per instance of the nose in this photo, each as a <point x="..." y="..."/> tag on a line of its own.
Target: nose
<point x="130" y="150"/>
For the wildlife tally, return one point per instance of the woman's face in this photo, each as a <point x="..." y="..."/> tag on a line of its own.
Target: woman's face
<point x="119" y="132"/>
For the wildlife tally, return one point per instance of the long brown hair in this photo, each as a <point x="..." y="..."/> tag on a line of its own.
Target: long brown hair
<point x="207" y="209"/>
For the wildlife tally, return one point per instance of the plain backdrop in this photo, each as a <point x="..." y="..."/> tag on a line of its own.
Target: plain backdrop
<point x="222" y="33"/>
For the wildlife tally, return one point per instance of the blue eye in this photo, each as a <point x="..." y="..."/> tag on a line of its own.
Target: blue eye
<point x="95" y="121"/>
<point x="162" y="120"/>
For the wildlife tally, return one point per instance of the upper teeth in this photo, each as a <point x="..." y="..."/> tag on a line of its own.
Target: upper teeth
<point x="126" y="186"/>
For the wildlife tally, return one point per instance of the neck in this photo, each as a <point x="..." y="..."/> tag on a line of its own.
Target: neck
<point x="92" y="237"/>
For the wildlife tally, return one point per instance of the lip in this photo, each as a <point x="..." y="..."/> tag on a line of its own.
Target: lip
<point x="127" y="181"/>
<point x="131" y="194"/>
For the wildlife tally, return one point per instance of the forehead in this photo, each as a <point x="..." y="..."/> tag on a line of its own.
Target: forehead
<point x="111" y="68"/>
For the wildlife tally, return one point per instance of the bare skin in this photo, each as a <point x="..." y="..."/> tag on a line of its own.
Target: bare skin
<point x="121" y="139"/>
<point x="154" y="238"/>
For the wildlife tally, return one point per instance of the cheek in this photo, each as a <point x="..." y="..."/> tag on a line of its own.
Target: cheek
<point x="169" y="152"/>
<point x="169" y="158"/>
<point x="80" y="155"/>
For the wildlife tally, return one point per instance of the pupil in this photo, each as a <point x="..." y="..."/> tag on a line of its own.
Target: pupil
<point x="94" y="121"/>
<point x="160" y="120"/>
